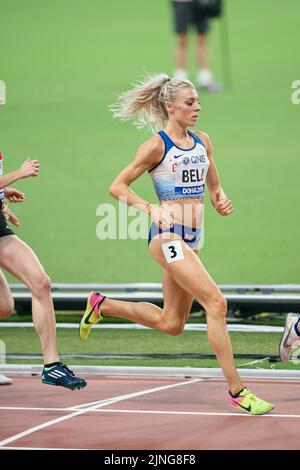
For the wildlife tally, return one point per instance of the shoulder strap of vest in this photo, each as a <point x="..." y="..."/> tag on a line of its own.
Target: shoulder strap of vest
<point x="197" y="139"/>
<point x="168" y="142"/>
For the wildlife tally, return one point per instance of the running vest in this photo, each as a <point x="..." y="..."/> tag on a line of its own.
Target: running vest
<point x="182" y="172"/>
<point x="1" y="173"/>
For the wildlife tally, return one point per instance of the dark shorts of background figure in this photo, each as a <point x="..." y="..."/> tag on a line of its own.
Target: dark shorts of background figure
<point x="187" y="14"/>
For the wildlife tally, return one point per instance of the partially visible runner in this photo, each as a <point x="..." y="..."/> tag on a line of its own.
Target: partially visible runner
<point x="291" y="335"/>
<point x="179" y="162"/>
<point x="5" y="380"/>
<point x="17" y="258"/>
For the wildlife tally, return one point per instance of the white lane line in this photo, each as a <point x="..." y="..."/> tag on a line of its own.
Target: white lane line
<point x="44" y="448"/>
<point x="31" y="408"/>
<point x="133" y="395"/>
<point x="99" y="404"/>
<point x="200" y="413"/>
<point x="169" y="412"/>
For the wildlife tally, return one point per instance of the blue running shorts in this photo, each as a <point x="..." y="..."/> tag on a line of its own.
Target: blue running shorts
<point x="191" y="236"/>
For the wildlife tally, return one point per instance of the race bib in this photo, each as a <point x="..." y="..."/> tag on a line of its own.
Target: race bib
<point x="172" y="251"/>
<point x="190" y="175"/>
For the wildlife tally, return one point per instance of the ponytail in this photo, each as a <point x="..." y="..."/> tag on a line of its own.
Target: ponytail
<point x="145" y="102"/>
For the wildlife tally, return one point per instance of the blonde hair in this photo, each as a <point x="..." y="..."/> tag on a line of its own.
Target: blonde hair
<point x="145" y="102"/>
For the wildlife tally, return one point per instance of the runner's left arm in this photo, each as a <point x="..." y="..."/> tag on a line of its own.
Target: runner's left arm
<point x="219" y="200"/>
<point x="14" y="195"/>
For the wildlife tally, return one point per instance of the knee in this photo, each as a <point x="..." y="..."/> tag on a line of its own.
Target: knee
<point x="44" y="283"/>
<point x="172" y="329"/>
<point x="182" y="40"/>
<point x="202" y="39"/>
<point x="7" y="309"/>
<point x="217" y="305"/>
<point x="41" y="285"/>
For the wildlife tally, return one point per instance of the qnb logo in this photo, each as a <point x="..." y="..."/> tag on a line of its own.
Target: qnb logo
<point x="2" y="92"/>
<point x="296" y="93"/>
<point x="198" y="158"/>
<point x="295" y="353"/>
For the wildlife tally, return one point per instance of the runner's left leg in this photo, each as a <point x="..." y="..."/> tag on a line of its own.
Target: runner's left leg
<point x="18" y="259"/>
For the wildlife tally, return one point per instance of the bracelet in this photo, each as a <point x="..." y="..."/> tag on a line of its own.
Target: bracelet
<point x="146" y="208"/>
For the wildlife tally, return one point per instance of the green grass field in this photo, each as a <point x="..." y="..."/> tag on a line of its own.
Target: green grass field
<point x="133" y="342"/>
<point x="64" y="61"/>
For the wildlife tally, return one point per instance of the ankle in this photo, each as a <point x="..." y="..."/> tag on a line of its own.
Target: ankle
<point x="51" y="363"/>
<point x="235" y="390"/>
<point x="104" y="307"/>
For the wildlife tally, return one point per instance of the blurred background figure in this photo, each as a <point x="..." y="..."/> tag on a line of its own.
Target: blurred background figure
<point x="2" y="92"/>
<point x="197" y="13"/>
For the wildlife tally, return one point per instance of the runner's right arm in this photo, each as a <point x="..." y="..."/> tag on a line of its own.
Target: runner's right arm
<point x="148" y="155"/>
<point x="27" y="169"/>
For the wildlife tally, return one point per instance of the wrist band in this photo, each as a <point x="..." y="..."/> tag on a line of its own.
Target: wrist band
<point x="148" y="204"/>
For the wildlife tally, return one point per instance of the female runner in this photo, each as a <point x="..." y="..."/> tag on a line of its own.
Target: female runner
<point x="17" y="258"/>
<point x="180" y="163"/>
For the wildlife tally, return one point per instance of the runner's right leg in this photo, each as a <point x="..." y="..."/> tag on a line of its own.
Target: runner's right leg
<point x="6" y="299"/>
<point x="170" y="319"/>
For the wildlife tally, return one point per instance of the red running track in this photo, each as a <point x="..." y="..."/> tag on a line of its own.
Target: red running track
<point x="145" y="413"/>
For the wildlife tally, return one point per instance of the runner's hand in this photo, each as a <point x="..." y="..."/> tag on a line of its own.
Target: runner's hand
<point x="9" y="215"/>
<point x="29" y="168"/>
<point x="223" y="205"/>
<point x="14" y="195"/>
<point x="161" y="217"/>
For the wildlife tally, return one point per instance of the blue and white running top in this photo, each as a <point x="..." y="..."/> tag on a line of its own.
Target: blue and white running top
<point x="1" y="173"/>
<point x="182" y="172"/>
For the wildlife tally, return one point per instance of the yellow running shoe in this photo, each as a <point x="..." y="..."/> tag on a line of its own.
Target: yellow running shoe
<point x="250" y="403"/>
<point x="91" y="315"/>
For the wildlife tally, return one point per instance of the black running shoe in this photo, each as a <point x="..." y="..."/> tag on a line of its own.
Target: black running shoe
<point x="61" y="376"/>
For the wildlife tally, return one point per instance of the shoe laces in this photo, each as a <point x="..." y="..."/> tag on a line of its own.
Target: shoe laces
<point x="251" y="396"/>
<point x="67" y="369"/>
